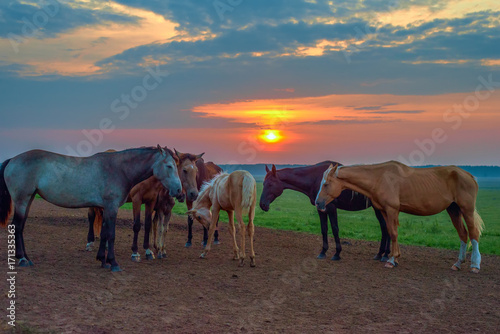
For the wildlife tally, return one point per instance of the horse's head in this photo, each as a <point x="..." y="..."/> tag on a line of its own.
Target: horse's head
<point x="273" y="187"/>
<point x="165" y="170"/>
<point x="330" y="188"/>
<point x="187" y="173"/>
<point x="202" y="215"/>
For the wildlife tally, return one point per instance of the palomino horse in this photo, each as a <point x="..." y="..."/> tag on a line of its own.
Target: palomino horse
<point x="394" y="187"/>
<point x="149" y="193"/>
<point x="307" y="180"/>
<point x="205" y="172"/>
<point x="103" y="180"/>
<point x="233" y="192"/>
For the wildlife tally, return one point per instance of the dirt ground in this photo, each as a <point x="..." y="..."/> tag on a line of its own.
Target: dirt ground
<point x="288" y="292"/>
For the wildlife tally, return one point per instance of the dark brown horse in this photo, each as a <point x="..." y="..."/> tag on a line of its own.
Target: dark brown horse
<point x="206" y="171"/>
<point x="307" y="180"/>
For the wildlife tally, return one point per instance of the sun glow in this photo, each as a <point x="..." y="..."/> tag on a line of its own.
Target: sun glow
<point x="271" y="136"/>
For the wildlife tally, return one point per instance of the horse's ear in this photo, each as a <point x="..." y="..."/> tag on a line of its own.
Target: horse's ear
<point x="177" y="153"/>
<point x="274" y="169"/>
<point x="334" y="168"/>
<point x="199" y="156"/>
<point x="191" y="213"/>
<point x="267" y="169"/>
<point x="161" y="150"/>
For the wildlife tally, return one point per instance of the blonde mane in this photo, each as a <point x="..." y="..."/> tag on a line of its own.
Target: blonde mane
<point x="207" y="185"/>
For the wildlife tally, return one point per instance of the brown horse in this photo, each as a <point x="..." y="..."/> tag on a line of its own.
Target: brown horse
<point x="394" y="187"/>
<point x="205" y="172"/>
<point x="161" y="221"/>
<point x="235" y="192"/>
<point x="149" y="192"/>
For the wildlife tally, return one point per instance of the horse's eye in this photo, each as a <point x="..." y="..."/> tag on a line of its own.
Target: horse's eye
<point x="198" y="217"/>
<point x="325" y="185"/>
<point x="169" y="167"/>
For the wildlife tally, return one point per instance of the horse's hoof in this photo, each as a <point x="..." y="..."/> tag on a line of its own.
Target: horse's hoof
<point x="203" y="256"/>
<point x="216" y="242"/>
<point x="150" y="256"/>
<point x="377" y="257"/>
<point x="321" y="256"/>
<point x="105" y="266"/>
<point x="159" y="256"/>
<point x="30" y="263"/>
<point x="136" y="257"/>
<point x="474" y="270"/>
<point x="455" y="268"/>
<point x="384" y="259"/>
<point x="24" y="262"/>
<point x="252" y="263"/>
<point x="335" y="257"/>
<point x="115" y="269"/>
<point x="89" y="246"/>
<point x="389" y="265"/>
<point x="188" y="244"/>
<point x="204" y="243"/>
<point x="242" y="263"/>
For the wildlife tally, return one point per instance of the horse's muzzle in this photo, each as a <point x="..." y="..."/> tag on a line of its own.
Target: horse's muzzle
<point x="192" y="196"/>
<point x="264" y="206"/>
<point x="321" y="206"/>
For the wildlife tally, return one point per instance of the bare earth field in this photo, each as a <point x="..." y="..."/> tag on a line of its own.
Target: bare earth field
<point x="288" y="292"/>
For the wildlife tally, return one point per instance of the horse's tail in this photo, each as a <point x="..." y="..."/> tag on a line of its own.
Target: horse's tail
<point x="97" y="220"/>
<point x="249" y="191"/>
<point x="5" y="199"/>
<point x="478" y="222"/>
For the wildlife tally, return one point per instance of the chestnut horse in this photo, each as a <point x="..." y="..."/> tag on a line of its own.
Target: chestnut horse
<point x="205" y="172"/>
<point x="103" y="180"/>
<point x="394" y="187"/>
<point x="149" y="192"/>
<point x="307" y="181"/>
<point x="235" y="192"/>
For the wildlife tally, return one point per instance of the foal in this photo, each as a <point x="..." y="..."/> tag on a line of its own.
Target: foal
<point x="235" y="192"/>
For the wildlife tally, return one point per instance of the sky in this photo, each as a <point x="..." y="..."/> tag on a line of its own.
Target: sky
<point x="282" y="81"/>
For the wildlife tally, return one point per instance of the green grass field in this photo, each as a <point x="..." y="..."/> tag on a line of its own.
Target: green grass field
<point x="292" y="211"/>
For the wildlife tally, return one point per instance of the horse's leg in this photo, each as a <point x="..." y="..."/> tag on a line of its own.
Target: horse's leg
<point x="136" y="207"/>
<point x="21" y="211"/>
<point x="392" y="221"/>
<point x="101" y="253"/>
<point x="323" y="218"/>
<point x="385" y="242"/>
<point x="90" y="236"/>
<point x="215" y="217"/>
<point x="155" y="235"/>
<point x="147" y="229"/>
<point x="332" y="214"/>
<point x="216" y="234"/>
<point x="251" y="230"/>
<point x="232" y="231"/>
<point x="109" y="218"/>
<point x="165" y="224"/>
<point x="474" y="233"/>
<point x="456" y="218"/>
<point x="241" y="223"/>
<point x="190" y="225"/>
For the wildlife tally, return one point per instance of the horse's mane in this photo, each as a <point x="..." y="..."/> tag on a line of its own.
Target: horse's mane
<point x="208" y="184"/>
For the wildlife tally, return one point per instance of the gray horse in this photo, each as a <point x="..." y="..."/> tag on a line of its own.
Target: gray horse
<point x="103" y="180"/>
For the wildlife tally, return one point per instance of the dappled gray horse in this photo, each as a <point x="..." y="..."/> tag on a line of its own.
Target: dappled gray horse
<point x="103" y="180"/>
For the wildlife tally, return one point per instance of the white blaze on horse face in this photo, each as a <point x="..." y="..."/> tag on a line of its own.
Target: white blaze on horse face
<point x="323" y="181"/>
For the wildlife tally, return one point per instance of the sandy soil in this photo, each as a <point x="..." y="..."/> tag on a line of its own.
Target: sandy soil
<point x="288" y="292"/>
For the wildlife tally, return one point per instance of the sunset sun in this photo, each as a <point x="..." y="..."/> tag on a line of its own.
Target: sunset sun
<point x="271" y="136"/>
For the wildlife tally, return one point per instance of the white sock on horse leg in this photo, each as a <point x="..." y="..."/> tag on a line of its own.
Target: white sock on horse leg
<point x="461" y="254"/>
<point x="475" y="256"/>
